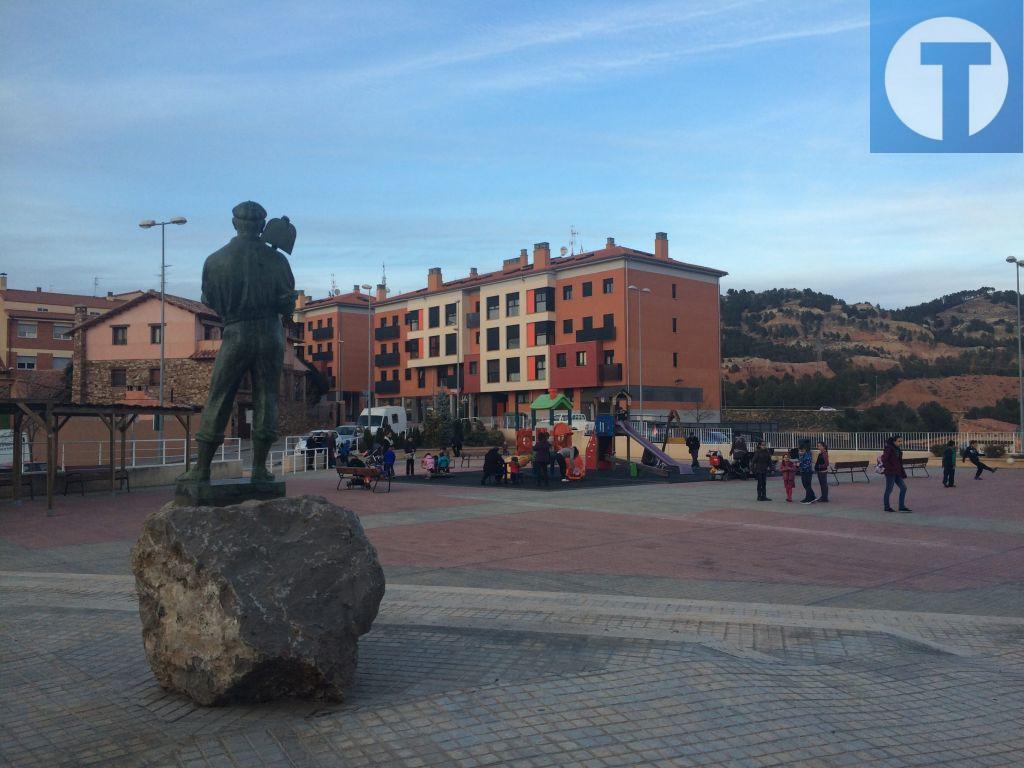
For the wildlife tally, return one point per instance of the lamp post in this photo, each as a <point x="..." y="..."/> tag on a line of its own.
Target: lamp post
<point x="1019" y="264"/>
<point x="148" y="224"/>
<point x="369" y="354"/>
<point x="640" y="336"/>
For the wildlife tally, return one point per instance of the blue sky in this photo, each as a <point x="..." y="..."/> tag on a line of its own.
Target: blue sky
<point x="454" y="134"/>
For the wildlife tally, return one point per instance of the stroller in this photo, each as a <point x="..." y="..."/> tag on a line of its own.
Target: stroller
<point x="723" y="469"/>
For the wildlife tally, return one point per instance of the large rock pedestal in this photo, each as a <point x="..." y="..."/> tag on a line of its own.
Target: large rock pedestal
<point x="257" y="601"/>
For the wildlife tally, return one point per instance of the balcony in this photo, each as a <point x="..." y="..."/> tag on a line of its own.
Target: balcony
<point x="387" y="387"/>
<point x="610" y="372"/>
<point x="605" y="333"/>
<point x="322" y="334"/>
<point x="387" y="360"/>
<point x="323" y="356"/>
<point x="473" y="320"/>
<point x="387" y="333"/>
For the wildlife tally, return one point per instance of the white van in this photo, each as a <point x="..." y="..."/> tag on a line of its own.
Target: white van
<point x="392" y="415"/>
<point x="7" y="449"/>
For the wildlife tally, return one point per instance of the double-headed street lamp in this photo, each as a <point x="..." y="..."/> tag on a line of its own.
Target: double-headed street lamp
<point x="148" y="224"/>
<point x="1019" y="264"/>
<point x="640" y="338"/>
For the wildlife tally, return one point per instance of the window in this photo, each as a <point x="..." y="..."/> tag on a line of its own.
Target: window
<point x="421" y="377"/>
<point x="560" y="360"/>
<point x="435" y="346"/>
<point x="394" y="348"/>
<point x="118" y="377"/>
<point x="42" y="309"/>
<point x="394" y="375"/>
<point x="383" y="323"/>
<point x="27" y="329"/>
<point x="61" y="363"/>
<point x="474" y="368"/>
<point x="567" y="326"/>
<point x="154" y="377"/>
<point x="673" y="290"/>
<point x="608" y="286"/>
<point x="309" y="325"/>
<point x="433" y="317"/>
<point x="119" y="335"/>
<point x="522" y="398"/>
<point x="330" y="322"/>
<point x="309" y="349"/>
<point x="394" y="320"/>
<point x="211" y="332"/>
<point x="154" y="334"/>
<point x="609" y="357"/>
<point x="675" y="359"/>
<point x="320" y="323"/>
<point x="512" y="337"/>
<point x="511" y="304"/>
<point x="588" y="288"/>
<point x="512" y="369"/>
<point x="566" y="292"/>
<point x="544" y="300"/>
<point x="493" y="341"/>
<point x="383" y="349"/>
<point x="542" y="367"/>
<point x="581" y="358"/>
<point x="450" y="314"/>
<point x="493" y="371"/>
<point x="383" y="375"/>
<point x="62" y="331"/>
<point x="492" y="308"/>
<point x="608" y="321"/>
<point x="588" y="323"/>
<point x="412" y="319"/>
<point x="451" y="343"/>
<point x="330" y="375"/>
<point x="408" y="374"/>
<point x="328" y="346"/>
<point x="545" y="333"/>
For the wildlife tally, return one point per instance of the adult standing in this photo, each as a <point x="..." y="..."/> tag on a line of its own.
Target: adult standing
<point x="541" y="459"/>
<point x="949" y="465"/>
<point x="971" y="454"/>
<point x="892" y="467"/>
<point x="807" y="472"/>
<point x="821" y="467"/>
<point x="693" y="446"/>
<point x="760" y="463"/>
<point x="410" y="457"/>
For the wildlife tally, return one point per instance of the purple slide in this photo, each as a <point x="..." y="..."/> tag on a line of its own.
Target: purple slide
<point x="682" y="467"/>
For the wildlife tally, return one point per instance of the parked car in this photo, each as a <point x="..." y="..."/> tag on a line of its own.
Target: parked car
<point x="349" y="435"/>
<point x="718" y="438"/>
<point x="580" y="422"/>
<point x="317" y="438"/>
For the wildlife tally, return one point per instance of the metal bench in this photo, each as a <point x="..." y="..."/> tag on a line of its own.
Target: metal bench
<point x="849" y="468"/>
<point x="7" y="478"/>
<point x="912" y="465"/>
<point x="467" y="458"/>
<point x="370" y="477"/>
<point x="81" y="475"/>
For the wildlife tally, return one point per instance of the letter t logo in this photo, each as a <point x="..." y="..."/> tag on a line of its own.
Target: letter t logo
<point x="956" y="60"/>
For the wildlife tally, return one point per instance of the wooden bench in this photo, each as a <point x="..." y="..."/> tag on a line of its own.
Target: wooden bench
<point x="371" y="476"/>
<point x="7" y="478"/>
<point x="912" y="465"/>
<point x="81" y="475"/>
<point x="849" y="468"/>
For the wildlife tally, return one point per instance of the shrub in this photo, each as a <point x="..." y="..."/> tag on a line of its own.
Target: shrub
<point x="938" y="449"/>
<point x="995" y="451"/>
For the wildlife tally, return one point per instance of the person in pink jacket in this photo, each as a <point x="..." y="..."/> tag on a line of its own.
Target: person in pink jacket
<point x="788" y="470"/>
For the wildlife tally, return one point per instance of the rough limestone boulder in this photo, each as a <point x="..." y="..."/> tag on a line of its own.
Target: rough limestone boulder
<point x="258" y="601"/>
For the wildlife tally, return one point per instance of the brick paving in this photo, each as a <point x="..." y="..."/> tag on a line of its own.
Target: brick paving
<point x="677" y="625"/>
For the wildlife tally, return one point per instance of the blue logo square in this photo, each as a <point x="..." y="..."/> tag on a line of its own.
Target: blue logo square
<point x="946" y="76"/>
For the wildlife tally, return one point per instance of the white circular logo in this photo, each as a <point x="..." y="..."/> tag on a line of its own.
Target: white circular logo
<point x="915" y="89"/>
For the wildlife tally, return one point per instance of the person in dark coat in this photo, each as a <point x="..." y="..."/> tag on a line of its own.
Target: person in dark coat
<point x="760" y="463"/>
<point x="492" y="468"/>
<point x="541" y="459"/>
<point x="693" y="446"/>
<point x="892" y="468"/>
<point x="949" y="465"/>
<point x="806" y="466"/>
<point x="410" y="457"/>
<point x="971" y="454"/>
<point x="821" y="467"/>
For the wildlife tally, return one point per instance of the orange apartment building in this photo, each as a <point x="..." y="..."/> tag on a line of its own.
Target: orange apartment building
<point x="499" y="339"/>
<point x="333" y="338"/>
<point x="35" y="326"/>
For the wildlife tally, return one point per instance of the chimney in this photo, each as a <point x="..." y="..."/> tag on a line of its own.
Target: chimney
<point x="79" y="388"/>
<point x="609" y="243"/>
<point x="661" y="246"/>
<point x="473" y="272"/>
<point x="3" y="281"/>
<point x="382" y="291"/>
<point x="110" y="295"/>
<point x="39" y="289"/>
<point x="300" y="299"/>
<point x="434" y="279"/>
<point x="541" y="256"/>
<point x="355" y="288"/>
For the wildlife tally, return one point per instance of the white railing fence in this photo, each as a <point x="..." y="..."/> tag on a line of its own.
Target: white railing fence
<point x="875" y="441"/>
<point x="140" y="453"/>
<point x="291" y="463"/>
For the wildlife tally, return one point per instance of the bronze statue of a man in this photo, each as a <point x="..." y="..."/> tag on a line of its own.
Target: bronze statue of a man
<point x="250" y="285"/>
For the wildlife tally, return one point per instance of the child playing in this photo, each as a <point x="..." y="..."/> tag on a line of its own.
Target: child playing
<point x="443" y="462"/>
<point x="788" y="470"/>
<point x="428" y="464"/>
<point x="513" y="470"/>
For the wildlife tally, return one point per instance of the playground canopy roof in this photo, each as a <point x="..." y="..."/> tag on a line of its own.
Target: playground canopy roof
<point x="547" y="403"/>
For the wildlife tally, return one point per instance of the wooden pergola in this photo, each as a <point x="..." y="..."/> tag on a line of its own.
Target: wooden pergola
<point x="51" y="416"/>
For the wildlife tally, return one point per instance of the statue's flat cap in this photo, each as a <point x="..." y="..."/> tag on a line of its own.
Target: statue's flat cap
<point x="249" y="211"/>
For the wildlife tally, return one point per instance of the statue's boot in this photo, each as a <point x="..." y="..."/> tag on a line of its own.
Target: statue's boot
<point x="200" y="473"/>
<point x="260" y="451"/>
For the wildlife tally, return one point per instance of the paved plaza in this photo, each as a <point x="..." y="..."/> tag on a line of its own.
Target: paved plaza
<point x="647" y="624"/>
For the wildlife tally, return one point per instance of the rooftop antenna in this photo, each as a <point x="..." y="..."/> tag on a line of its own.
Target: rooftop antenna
<point x="383" y="275"/>
<point x="572" y="240"/>
<point x="95" y="285"/>
<point x="334" y="286"/>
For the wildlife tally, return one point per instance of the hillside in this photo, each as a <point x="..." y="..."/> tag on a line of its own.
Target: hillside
<point x="813" y="349"/>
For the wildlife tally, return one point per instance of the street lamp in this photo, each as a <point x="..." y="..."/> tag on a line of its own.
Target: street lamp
<point x="148" y="224"/>
<point x="369" y="354"/>
<point x="640" y="337"/>
<point x="1019" y="263"/>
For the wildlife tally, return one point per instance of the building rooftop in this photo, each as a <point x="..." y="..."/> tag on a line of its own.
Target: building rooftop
<point x="189" y="305"/>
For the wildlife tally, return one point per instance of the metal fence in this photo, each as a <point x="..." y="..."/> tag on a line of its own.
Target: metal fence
<point x="875" y="441"/>
<point x="140" y="453"/>
<point x="291" y="463"/>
